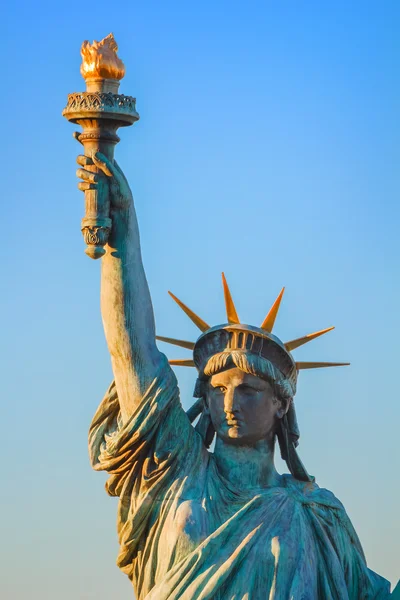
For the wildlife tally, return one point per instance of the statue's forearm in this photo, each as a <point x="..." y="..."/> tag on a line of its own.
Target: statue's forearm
<point x="127" y="311"/>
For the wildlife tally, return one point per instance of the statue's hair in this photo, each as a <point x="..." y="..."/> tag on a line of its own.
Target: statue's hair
<point x="249" y="363"/>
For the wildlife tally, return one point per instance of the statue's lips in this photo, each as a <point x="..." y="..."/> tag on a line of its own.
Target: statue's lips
<point x="233" y="422"/>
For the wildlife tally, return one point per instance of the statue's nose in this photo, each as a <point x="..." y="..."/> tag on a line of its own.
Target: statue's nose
<point x="230" y="402"/>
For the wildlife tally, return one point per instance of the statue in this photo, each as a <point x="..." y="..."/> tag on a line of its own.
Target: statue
<point x="196" y="524"/>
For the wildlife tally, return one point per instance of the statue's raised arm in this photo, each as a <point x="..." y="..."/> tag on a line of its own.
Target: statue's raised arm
<point x="126" y="306"/>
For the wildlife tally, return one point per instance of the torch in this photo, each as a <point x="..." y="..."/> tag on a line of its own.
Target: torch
<point x="101" y="110"/>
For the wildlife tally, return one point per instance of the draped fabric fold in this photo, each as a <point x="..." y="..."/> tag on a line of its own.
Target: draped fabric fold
<point x="186" y="534"/>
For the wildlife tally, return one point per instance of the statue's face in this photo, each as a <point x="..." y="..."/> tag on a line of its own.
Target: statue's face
<point x="243" y="407"/>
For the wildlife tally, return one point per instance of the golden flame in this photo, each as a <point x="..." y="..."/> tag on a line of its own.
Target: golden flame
<point x="100" y="60"/>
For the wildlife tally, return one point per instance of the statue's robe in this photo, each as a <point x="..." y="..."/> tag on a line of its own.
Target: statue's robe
<point x="186" y="533"/>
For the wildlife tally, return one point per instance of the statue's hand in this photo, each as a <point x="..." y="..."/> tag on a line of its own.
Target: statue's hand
<point x="109" y="176"/>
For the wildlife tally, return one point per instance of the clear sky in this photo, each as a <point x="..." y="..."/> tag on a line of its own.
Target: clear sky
<point x="267" y="148"/>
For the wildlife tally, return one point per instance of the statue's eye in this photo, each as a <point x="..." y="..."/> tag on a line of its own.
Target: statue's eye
<point x="220" y="388"/>
<point x="248" y="389"/>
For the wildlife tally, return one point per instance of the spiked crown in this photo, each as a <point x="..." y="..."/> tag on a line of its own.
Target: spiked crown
<point x="235" y="336"/>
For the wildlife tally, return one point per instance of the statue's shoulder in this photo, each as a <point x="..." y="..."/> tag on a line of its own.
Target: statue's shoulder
<point x="323" y="504"/>
<point x="308" y="492"/>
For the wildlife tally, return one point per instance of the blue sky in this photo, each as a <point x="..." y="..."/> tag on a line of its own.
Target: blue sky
<point x="267" y="148"/>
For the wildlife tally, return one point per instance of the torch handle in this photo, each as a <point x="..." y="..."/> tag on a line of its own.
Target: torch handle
<point x="96" y="224"/>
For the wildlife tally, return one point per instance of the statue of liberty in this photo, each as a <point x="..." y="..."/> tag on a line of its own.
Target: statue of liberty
<point x="195" y="524"/>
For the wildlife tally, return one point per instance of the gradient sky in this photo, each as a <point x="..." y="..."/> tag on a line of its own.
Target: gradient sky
<point x="267" y="148"/>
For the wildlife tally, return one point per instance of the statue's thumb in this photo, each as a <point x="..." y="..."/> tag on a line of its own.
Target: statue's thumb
<point x="102" y="164"/>
<point x="76" y="135"/>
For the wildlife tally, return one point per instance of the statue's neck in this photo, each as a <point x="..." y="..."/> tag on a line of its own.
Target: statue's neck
<point x="247" y="466"/>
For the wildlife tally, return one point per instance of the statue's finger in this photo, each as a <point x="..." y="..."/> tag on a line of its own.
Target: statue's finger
<point x="84" y="160"/>
<point x="87" y="175"/>
<point x="103" y="163"/>
<point x="85" y="185"/>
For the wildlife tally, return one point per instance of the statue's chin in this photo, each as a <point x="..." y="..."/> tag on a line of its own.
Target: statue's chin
<point x="238" y="437"/>
<point x="234" y="433"/>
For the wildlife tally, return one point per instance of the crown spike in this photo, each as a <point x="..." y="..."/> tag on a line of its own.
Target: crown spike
<point x="318" y="365"/>
<point x="181" y="343"/>
<point x="182" y="362"/>
<point x="269" y="320"/>
<point x="202" y="325"/>
<point x="305" y="339"/>
<point x="231" y="313"/>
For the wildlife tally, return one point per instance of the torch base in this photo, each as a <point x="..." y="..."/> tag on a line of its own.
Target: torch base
<point x="95" y="252"/>
<point x="95" y="233"/>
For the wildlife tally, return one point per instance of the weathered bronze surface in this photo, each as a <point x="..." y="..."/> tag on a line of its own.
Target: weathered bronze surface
<point x="196" y="524"/>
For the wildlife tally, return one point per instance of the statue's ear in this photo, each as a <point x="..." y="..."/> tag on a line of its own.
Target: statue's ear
<point x="283" y="408"/>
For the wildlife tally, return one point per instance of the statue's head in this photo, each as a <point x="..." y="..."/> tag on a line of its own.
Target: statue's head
<point x="245" y="396"/>
<point x="246" y="382"/>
